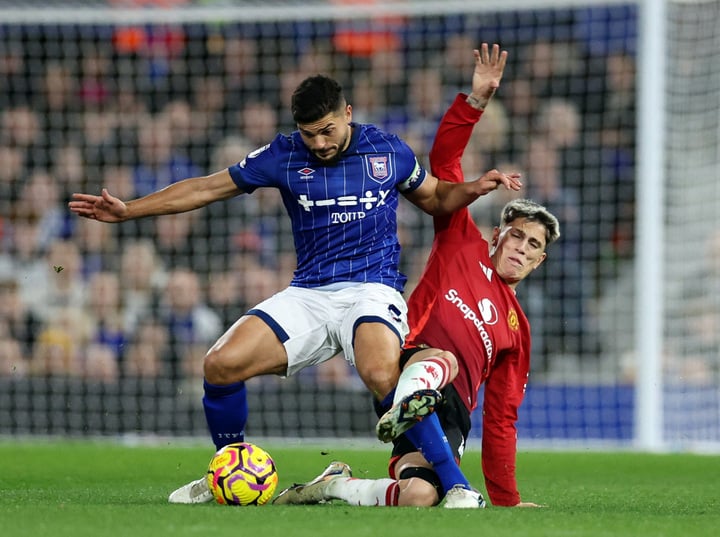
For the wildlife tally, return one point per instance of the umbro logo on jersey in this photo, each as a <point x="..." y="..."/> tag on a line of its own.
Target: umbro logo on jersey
<point x="306" y="173"/>
<point x="487" y="271"/>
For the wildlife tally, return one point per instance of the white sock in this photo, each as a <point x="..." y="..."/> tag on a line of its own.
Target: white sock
<point x="368" y="492"/>
<point x="431" y="373"/>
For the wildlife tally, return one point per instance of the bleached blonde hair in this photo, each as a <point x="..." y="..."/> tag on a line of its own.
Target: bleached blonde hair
<point x="525" y="208"/>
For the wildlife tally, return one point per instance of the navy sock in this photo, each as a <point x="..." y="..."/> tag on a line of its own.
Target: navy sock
<point x="387" y="402"/>
<point x="428" y="436"/>
<point x="226" y="412"/>
<point x="383" y="406"/>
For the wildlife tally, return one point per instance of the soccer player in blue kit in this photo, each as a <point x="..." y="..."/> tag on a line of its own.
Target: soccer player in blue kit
<point x="340" y="183"/>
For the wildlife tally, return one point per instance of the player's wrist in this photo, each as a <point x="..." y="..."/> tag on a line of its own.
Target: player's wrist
<point x="475" y="102"/>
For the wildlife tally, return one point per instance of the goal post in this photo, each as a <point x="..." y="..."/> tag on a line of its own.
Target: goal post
<point x="650" y="228"/>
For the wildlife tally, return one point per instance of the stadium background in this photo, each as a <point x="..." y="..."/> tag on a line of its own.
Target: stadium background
<point x="103" y="328"/>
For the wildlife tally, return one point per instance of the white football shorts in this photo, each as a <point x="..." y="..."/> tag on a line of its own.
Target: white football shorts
<point x="316" y="324"/>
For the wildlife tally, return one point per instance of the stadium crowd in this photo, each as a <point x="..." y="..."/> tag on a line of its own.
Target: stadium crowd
<point x="138" y="108"/>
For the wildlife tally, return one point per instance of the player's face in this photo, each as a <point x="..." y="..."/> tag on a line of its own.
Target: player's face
<point x="518" y="249"/>
<point x="329" y="136"/>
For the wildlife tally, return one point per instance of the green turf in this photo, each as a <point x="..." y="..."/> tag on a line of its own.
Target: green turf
<point x="104" y="490"/>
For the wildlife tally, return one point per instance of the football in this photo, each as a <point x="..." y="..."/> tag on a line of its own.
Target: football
<point x="242" y="474"/>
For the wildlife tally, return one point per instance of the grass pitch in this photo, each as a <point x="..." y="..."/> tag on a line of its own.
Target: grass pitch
<point x="105" y="490"/>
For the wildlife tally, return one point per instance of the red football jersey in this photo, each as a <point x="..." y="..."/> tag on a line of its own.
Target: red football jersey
<point x="461" y="305"/>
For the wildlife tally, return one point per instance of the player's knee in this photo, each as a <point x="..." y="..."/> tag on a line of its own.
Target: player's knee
<point x="380" y="378"/>
<point x="451" y="363"/>
<point x="419" y="487"/>
<point x="217" y="368"/>
<point x="417" y="493"/>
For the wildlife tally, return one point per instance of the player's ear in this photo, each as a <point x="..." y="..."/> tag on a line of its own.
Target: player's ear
<point x="348" y="112"/>
<point x="540" y="261"/>
<point x="495" y="236"/>
<point x="494" y="240"/>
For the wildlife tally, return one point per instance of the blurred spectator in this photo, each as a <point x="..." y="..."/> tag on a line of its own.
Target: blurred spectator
<point x="192" y="325"/>
<point x="21" y="128"/>
<point x="366" y="100"/>
<point x="40" y="197"/>
<point x="487" y="146"/>
<point x="98" y="246"/>
<point x="455" y="62"/>
<point x="247" y="71"/>
<point x="64" y="289"/>
<point x="181" y="240"/>
<point x="146" y="352"/>
<point x="61" y="344"/>
<point x="130" y="113"/>
<point x="96" y="82"/>
<point x="105" y="308"/>
<point x="12" y="362"/>
<point x="425" y="105"/>
<point x="68" y="169"/>
<point x="12" y="173"/>
<point x="225" y="296"/>
<point x="521" y="103"/>
<point x="259" y="123"/>
<point x="101" y="144"/>
<point x="14" y="80"/>
<point x="56" y="99"/>
<point x="17" y="321"/>
<point x="559" y="121"/>
<point x="194" y="128"/>
<point x="142" y="280"/>
<point x="335" y="373"/>
<point x="99" y="364"/>
<point x="228" y="151"/>
<point x="160" y="164"/>
<point x="23" y="259"/>
<point x="388" y="72"/>
<point x="257" y="282"/>
<point x="209" y="123"/>
<point x="617" y="146"/>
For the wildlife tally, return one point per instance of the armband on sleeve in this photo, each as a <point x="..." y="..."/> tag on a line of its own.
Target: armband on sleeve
<point x="415" y="180"/>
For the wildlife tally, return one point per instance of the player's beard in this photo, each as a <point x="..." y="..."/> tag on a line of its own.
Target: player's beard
<point x="338" y="154"/>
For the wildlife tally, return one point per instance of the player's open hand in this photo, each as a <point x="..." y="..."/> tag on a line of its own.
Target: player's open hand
<point x="105" y="208"/>
<point x="489" y="68"/>
<point x="493" y="179"/>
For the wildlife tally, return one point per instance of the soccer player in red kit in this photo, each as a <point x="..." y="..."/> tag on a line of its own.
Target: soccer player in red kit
<point x="464" y="304"/>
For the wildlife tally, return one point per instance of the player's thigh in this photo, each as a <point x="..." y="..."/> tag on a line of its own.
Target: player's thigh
<point x="377" y="355"/>
<point x="249" y="348"/>
<point x="372" y="335"/>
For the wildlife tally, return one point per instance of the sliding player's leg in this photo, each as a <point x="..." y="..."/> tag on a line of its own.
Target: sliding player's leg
<point x="425" y="372"/>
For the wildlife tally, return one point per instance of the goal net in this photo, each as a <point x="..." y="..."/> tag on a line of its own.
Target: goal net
<point x="103" y="328"/>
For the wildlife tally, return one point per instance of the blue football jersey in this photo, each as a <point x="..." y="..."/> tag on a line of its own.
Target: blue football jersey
<point x="344" y="215"/>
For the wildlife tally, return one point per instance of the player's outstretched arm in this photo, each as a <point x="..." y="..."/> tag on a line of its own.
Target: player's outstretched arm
<point x="179" y="197"/>
<point x="437" y="197"/>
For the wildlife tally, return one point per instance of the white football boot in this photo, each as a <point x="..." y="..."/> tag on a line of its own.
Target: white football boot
<point x="196" y="491"/>
<point x="460" y="497"/>
<point x="406" y="413"/>
<point x="313" y="491"/>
